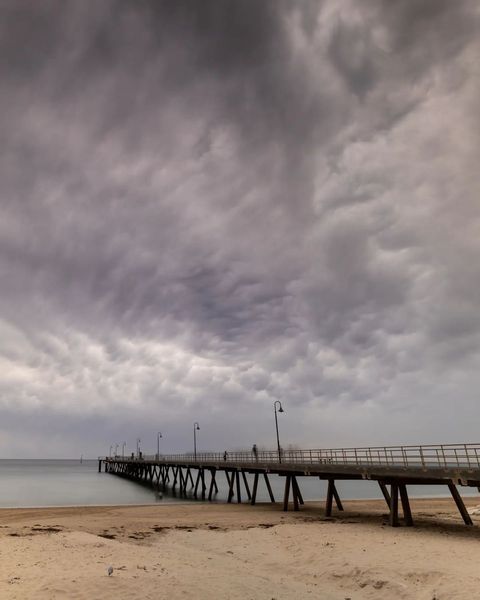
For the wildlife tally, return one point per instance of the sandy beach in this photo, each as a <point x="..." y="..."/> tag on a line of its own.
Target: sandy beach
<point x="229" y="551"/>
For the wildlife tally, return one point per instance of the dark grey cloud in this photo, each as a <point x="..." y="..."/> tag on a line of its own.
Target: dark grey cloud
<point x="208" y="206"/>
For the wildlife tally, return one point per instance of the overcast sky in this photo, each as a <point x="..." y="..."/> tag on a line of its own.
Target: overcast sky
<point x="207" y="206"/>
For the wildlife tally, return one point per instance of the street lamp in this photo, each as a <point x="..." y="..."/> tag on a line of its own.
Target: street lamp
<point x="280" y="409"/>
<point x="123" y="449"/>
<point x="196" y="427"/>
<point x="116" y="450"/>
<point x="159" y="435"/>
<point x="110" y="454"/>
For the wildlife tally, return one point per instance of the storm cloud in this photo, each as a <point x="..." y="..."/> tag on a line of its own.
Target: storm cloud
<point x="209" y="206"/>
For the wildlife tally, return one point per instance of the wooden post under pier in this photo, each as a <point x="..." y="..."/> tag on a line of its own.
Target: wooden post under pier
<point x="254" y="489"/>
<point x="467" y="519"/>
<point x="269" y="488"/>
<point x="407" y="513"/>
<point x="291" y="483"/>
<point x="332" y="494"/>
<point x="385" y="493"/>
<point x="247" y="487"/>
<point x="393" y="519"/>
<point x="213" y="484"/>
<point x="288" y="479"/>
<point x="256" y="477"/>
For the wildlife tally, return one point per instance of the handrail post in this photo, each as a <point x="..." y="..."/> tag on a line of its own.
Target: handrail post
<point x="422" y="457"/>
<point x="466" y="454"/>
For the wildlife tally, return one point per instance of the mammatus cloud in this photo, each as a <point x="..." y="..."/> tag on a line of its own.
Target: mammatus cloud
<point x="206" y="207"/>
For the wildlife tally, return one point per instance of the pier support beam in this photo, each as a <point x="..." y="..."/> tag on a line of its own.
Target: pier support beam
<point x="213" y="485"/>
<point x="407" y="513"/>
<point x="247" y="487"/>
<point x="394" y="505"/>
<point x="460" y="505"/>
<point x="200" y="480"/>
<point x="182" y="484"/>
<point x="175" y="475"/>
<point x="292" y="483"/>
<point x="288" y="479"/>
<point x="336" y="497"/>
<point x="197" y="481"/>
<point x="231" y="482"/>
<point x="296" y="491"/>
<point x="254" y="490"/>
<point x="332" y="494"/>
<point x="297" y="496"/>
<point x="385" y="493"/>
<point x="269" y="487"/>
<point x="256" y="478"/>
<point x="239" y="494"/>
<point x="329" y="500"/>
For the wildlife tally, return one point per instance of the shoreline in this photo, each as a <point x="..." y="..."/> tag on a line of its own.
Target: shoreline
<point x="219" y="502"/>
<point x="437" y="511"/>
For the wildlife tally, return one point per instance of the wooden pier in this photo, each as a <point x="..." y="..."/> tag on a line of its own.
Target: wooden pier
<point x="393" y="468"/>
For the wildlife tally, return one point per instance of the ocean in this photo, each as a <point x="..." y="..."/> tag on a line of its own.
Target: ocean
<point x="35" y="483"/>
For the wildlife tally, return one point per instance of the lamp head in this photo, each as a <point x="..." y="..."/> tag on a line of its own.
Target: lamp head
<point x="281" y="409"/>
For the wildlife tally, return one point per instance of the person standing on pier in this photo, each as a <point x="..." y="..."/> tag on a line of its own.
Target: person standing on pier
<point x="255" y="452"/>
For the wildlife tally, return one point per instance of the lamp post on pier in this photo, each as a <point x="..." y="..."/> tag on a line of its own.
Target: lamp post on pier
<point x="123" y="449"/>
<point x="110" y="453"/>
<point x="116" y="450"/>
<point x="196" y="427"/>
<point x="159" y="435"/>
<point x="280" y="410"/>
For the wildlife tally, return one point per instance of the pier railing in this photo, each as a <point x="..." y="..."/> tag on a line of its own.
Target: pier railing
<point x="430" y="456"/>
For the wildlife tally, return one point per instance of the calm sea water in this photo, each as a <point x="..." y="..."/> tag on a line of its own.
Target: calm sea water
<point x="28" y="483"/>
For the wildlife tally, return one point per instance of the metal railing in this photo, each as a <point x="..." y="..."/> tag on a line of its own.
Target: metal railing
<point x="430" y="456"/>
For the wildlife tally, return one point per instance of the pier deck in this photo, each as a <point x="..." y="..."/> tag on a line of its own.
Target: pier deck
<point x="393" y="468"/>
